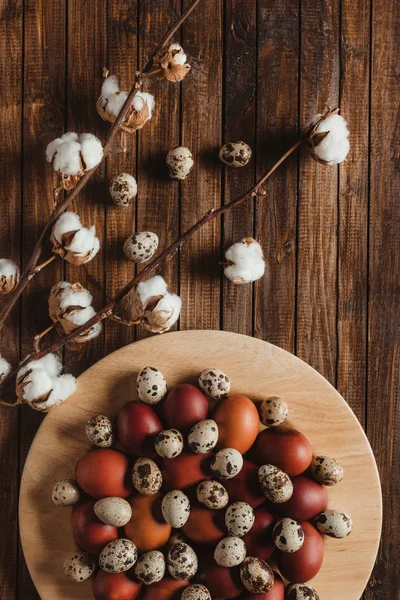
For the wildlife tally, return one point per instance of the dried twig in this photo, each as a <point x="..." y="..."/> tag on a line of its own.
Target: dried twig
<point x="107" y="310"/>
<point x="31" y="268"/>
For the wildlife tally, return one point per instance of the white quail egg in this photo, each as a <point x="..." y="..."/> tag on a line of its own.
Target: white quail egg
<point x="79" y="566"/>
<point x="182" y="561"/>
<point x="118" y="556"/>
<point x="169" y="443"/>
<point x="140" y="247"/>
<point x="273" y="411"/>
<point x="203" y="436"/>
<point x="256" y="575"/>
<point x="214" y="383"/>
<point x="179" y="162"/>
<point x="150" y="567"/>
<point x="113" y="511"/>
<point x="275" y="484"/>
<point x="151" y="385"/>
<point x="326" y="470"/>
<point x="301" y="591"/>
<point x="100" y="431"/>
<point x="196" y="592"/>
<point x="123" y="189"/>
<point x="175" y="508"/>
<point x="212" y="494"/>
<point x="226" y="463"/>
<point x="235" y="154"/>
<point x="176" y="537"/>
<point x="66" y="493"/>
<point x="146" y="477"/>
<point x="239" y="518"/>
<point x="288" y="535"/>
<point x="334" y="523"/>
<point x="230" y="552"/>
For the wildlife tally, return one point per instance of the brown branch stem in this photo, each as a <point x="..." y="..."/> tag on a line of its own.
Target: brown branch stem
<point x="30" y="269"/>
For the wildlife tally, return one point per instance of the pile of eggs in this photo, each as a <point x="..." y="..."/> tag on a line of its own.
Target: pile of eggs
<point x="176" y="503"/>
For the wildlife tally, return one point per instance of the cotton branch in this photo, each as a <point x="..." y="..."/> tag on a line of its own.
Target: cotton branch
<point x="32" y="268"/>
<point x="108" y="309"/>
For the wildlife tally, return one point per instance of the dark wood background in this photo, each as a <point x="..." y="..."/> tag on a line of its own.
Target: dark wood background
<point x="331" y="236"/>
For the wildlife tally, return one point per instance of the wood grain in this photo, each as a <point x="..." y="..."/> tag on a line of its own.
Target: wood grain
<point x="240" y="85"/>
<point x="277" y="117"/>
<point x="11" y="40"/>
<point x="255" y="368"/>
<point x="383" y="408"/>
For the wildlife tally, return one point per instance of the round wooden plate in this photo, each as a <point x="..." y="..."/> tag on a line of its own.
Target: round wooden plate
<point x="257" y="369"/>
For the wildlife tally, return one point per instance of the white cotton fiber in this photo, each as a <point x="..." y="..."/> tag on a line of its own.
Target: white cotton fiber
<point x="8" y="268"/>
<point x="335" y="146"/>
<point x="91" y="150"/>
<point x="81" y="316"/>
<point x="63" y="387"/>
<point x="5" y="368"/>
<point x="180" y="57"/>
<point x="39" y="384"/>
<point x="248" y="262"/>
<point x="95" y="332"/>
<point x="156" y="286"/>
<point x="115" y="103"/>
<point x="84" y="242"/>
<point x="141" y="99"/>
<point x="67" y="158"/>
<point x="69" y="297"/>
<point x="68" y="221"/>
<point x="110" y="86"/>
<point x="169" y="308"/>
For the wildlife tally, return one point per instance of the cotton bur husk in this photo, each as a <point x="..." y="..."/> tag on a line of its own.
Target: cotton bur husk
<point x="9" y="275"/>
<point x="74" y="243"/>
<point x="70" y="306"/>
<point x="112" y="99"/>
<point x="41" y="385"/>
<point x="329" y="142"/>
<point x="72" y="155"/>
<point x="173" y="62"/>
<point x="151" y="304"/>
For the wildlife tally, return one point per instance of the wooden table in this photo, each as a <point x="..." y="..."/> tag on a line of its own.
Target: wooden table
<point x="331" y="236"/>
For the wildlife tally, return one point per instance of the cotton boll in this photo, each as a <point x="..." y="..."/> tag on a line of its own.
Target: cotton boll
<point x="76" y="244"/>
<point x="146" y="99"/>
<point x="156" y="286"/>
<point x="84" y="242"/>
<point x="5" y="368"/>
<point x="50" y="364"/>
<point x="179" y="57"/>
<point x="9" y="275"/>
<point x="68" y="221"/>
<point x="63" y="387"/>
<point x="39" y="385"/>
<point x="91" y="150"/>
<point x="329" y="142"/>
<point x="82" y="316"/>
<point x="71" y="296"/>
<point x="164" y="315"/>
<point x="115" y="103"/>
<point x="173" y="62"/>
<point x="110" y="86"/>
<point x="244" y="262"/>
<point x="70" y="308"/>
<point x="67" y="158"/>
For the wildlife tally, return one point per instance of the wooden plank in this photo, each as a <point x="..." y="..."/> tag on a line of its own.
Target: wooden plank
<point x="240" y="24"/>
<point x="158" y="196"/>
<point x="318" y="214"/>
<point x="11" y="40"/>
<point x="277" y="117"/>
<point x="353" y="208"/>
<point x="200" y="272"/>
<point x="383" y="403"/>
<point x="87" y="33"/>
<point x="122" y="23"/>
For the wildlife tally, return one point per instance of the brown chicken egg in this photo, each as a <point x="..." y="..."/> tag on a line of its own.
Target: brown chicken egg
<point x="245" y="486"/>
<point x="285" y="448"/>
<point x="184" y="406"/>
<point x="238" y="422"/>
<point x="204" y="526"/>
<point x="303" y="565"/>
<point x="147" y="528"/>
<point x="166" y="589"/>
<point x="185" y="470"/>
<point x="259" y="539"/>
<point x="221" y="582"/>
<point x="307" y="500"/>
<point x="90" y="533"/>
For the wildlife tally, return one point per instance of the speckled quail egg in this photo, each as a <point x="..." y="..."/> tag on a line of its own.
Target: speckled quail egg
<point x="288" y="535"/>
<point x="273" y="411"/>
<point x="230" y="552"/>
<point x="176" y="537"/>
<point x="123" y="189"/>
<point x="256" y="575"/>
<point x="146" y="477"/>
<point x="226" y="463"/>
<point x="196" y="592"/>
<point x="203" y="436"/>
<point x="182" y="561"/>
<point x="118" y="556"/>
<point x="214" y="383"/>
<point x="150" y="567"/>
<point x="151" y="385"/>
<point x="140" y="247"/>
<point x="235" y="154"/>
<point x="179" y="162"/>
<point x="301" y="591"/>
<point x="100" y="431"/>
<point x="169" y="443"/>
<point x="212" y="494"/>
<point x="175" y="508"/>
<point x="326" y="470"/>
<point x="275" y="484"/>
<point x="79" y="566"/>
<point x="239" y="518"/>
<point x="113" y="511"/>
<point x="65" y="493"/>
<point x="334" y="523"/>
